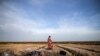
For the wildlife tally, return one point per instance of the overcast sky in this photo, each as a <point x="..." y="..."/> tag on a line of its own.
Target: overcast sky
<point x="64" y="20"/>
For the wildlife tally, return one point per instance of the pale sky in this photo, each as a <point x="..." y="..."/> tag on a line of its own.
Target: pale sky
<point x="64" y="20"/>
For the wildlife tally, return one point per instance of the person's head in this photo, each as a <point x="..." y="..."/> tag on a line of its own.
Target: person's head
<point x="49" y="37"/>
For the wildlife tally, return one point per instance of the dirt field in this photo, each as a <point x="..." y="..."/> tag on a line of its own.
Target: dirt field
<point x="59" y="49"/>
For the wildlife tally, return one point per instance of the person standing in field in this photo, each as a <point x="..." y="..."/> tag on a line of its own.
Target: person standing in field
<point x="50" y="45"/>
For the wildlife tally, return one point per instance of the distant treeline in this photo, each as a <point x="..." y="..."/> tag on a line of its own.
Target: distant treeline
<point x="81" y="42"/>
<point x="62" y="42"/>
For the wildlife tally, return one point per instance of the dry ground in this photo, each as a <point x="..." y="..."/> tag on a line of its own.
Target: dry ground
<point x="70" y="49"/>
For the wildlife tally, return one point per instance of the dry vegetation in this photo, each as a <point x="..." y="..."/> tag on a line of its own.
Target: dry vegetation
<point x="20" y="49"/>
<point x="94" y="48"/>
<point x="80" y="50"/>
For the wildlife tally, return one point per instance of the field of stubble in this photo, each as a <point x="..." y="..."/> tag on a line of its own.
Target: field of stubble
<point x="32" y="49"/>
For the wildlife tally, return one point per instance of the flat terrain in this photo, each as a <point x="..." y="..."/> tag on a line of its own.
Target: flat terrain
<point x="59" y="49"/>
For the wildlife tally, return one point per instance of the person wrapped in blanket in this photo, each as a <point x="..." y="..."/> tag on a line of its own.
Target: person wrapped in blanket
<point x="50" y="44"/>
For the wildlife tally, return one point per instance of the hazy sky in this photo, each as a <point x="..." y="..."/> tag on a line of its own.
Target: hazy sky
<point x="64" y="20"/>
